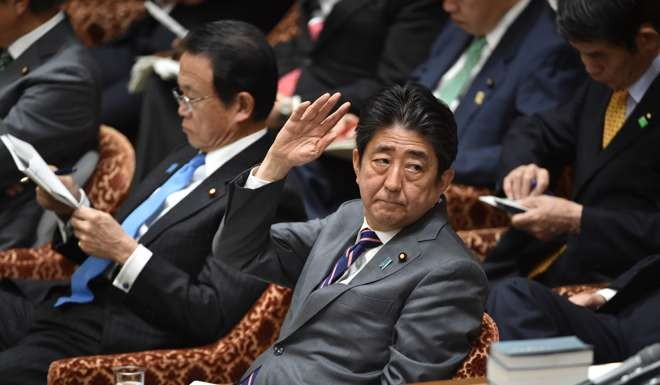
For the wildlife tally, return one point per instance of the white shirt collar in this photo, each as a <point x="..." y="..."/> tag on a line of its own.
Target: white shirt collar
<point x="24" y="42"/>
<point x="638" y="90"/>
<point x="216" y="158"/>
<point x="384" y="236"/>
<point x="495" y="35"/>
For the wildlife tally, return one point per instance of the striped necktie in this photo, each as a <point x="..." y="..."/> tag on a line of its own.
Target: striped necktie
<point x="615" y="116"/>
<point x="144" y="213"/>
<point x="5" y="59"/>
<point x="366" y="240"/>
<point x="450" y="89"/>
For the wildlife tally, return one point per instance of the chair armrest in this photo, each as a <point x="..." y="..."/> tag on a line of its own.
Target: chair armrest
<point x="466" y="212"/>
<point x="474" y="365"/>
<point x="569" y="290"/>
<point x="37" y="263"/>
<point x="482" y="241"/>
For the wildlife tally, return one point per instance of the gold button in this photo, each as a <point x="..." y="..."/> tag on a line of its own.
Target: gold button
<point x="25" y="70"/>
<point x="403" y="257"/>
<point x="212" y="192"/>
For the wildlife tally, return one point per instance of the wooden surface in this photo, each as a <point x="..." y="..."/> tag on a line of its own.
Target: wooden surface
<point x="470" y="381"/>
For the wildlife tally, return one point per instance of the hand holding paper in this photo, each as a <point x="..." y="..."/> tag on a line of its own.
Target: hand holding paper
<point x="29" y="162"/>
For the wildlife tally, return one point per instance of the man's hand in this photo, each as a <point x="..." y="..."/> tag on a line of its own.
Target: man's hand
<point x="303" y="138"/>
<point x="48" y="202"/>
<point x="100" y="235"/>
<point x="524" y="181"/>
<point x="590" y="300"/>
<point x="548" y="217"/>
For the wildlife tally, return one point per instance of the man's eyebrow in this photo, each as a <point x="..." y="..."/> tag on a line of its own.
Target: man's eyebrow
<point x="418" y="154"/>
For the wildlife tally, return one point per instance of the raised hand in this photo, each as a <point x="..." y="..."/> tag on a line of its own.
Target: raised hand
<point x="303" y="137"/>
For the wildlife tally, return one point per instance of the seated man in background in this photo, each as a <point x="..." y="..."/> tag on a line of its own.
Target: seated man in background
<point x="617" y="321"/>
<point x="355" y="47"/>
<point x="495" y="61"/>
<point x="609" y="135"/>
<point x="153" y="282"/>
<point x="404" y="302"/>
<point x="49" y="97"/>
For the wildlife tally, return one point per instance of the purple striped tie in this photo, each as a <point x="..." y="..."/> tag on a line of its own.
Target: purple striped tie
<point x="249" y="380"/>
<point x="367" y="240"/>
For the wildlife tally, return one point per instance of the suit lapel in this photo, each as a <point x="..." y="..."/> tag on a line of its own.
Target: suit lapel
<point x="200" y="197"/>
<point x="340" y="13"/>
<point x="453" y="42"/>
<point x="406" y="241"/>
<point x="495" y="69"/>
<point x="630" y="133"/>
<point x="38" y="53"/>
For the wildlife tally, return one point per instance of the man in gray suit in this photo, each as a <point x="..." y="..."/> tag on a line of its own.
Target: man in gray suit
<point x="404" y="302"/>
<point x="49" y="96"/>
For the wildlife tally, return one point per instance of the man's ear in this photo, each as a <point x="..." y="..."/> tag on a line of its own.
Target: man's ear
<point x="648" y="39"/>
<point x="21" y="6"/>
<point x="244" y="106"/>
<point x="445" y="180"/>
<point x="356" y="162"/>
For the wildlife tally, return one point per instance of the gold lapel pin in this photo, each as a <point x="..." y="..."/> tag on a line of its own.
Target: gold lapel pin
<point x="403" y="256"/>
<point x="212" y="192"/>
<point x="479" y="98"/>
<point x="25" y="70"/>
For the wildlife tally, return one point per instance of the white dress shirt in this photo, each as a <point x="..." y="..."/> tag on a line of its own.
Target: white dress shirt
<point x="492" y="40"/>
<point x="637" y="91"/>
<point x="254" y="183"/>
<point x="24" y="42"/>
<point x="214" y="160"/>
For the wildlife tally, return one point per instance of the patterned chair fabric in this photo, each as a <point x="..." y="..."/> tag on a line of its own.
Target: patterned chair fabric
<point x="221" y="362"/>
<point x="98" y="21"/>
<point x="481" y="241"/>
<point x="474" y="364"/>
<point x="466" y="212"/>
<point x="106" y="189"/>
<point x="226" y="360"/>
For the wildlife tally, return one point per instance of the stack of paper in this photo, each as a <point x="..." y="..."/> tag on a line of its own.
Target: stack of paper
<point x="551" y="361"/>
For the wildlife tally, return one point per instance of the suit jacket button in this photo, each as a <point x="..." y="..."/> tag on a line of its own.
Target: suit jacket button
<point x="278" y="350"/>
<point x="25" y="70"/>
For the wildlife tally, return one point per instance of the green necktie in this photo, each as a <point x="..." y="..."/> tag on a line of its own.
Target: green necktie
<point x="5" y="59"/>
<point x="450" y="89"/>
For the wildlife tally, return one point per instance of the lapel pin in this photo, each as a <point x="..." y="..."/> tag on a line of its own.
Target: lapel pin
<point x="172" y="167"/>
<point x="490" y="83"/>
<point x="212" y="192"/>
<point x="25" y="70"/>
<point x="385" y="263"/>
<point x="402" y="257"/>
<point x="479" y="98"/>
<point x="643" y="120"/>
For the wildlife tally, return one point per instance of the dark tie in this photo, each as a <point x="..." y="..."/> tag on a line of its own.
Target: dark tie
<point x="144" y="213"/>
<point x="367" y="240"/>
<point x="5" y="59"/>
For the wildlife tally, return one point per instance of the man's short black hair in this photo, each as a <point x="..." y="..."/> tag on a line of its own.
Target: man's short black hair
<point x="412" y="107"/>
<point x="613" y="21"/>
<point x="41" y="6"/>
<point x="242" y="60"/>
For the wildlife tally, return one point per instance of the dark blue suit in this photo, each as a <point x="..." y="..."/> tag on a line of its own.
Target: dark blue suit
<point x="532" y="69"/>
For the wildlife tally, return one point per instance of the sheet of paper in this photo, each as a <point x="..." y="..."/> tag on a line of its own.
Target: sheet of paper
<point x="165" y="19"/>
<point x="29" y="162"/>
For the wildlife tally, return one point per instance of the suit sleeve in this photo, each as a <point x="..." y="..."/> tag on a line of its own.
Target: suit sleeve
<point x="247" y="242"/>
<point x="413" y="25"/>
<point x="547" y="139"/>
<point x="59" y="107"/>
<point x="620" y="234"/>
<point x="436" y="331"/>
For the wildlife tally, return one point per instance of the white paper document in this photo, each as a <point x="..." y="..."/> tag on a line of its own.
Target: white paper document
<point x="29" y="162"/>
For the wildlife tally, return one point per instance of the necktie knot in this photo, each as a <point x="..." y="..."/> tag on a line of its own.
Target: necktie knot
<point x="367" y="239"/>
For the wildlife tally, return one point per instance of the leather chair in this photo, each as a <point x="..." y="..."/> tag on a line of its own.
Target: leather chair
<point x="106" y="189"/>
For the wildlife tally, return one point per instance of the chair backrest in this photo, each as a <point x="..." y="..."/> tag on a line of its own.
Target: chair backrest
<point x="474" y="365"/>
<point x="112" y="178"/>
<point x="98" y="21"/>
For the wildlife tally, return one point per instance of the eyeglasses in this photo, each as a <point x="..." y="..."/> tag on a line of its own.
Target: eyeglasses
<point x="187" y="102"/>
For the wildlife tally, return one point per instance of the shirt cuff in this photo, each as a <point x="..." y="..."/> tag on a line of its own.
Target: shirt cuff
<point x="65" y="228"/>
<point x="607" y="293"/>
<point x="253" y="183"/>
<point x="132" y="268"/>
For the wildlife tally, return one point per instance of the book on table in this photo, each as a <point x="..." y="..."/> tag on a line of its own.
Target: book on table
<point x="561" y="360"/>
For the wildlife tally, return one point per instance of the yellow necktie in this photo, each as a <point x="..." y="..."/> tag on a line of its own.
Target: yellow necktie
<point x="615" y="116"/>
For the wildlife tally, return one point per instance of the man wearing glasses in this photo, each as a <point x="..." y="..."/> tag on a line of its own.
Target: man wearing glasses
<point x="148" y="279"/>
